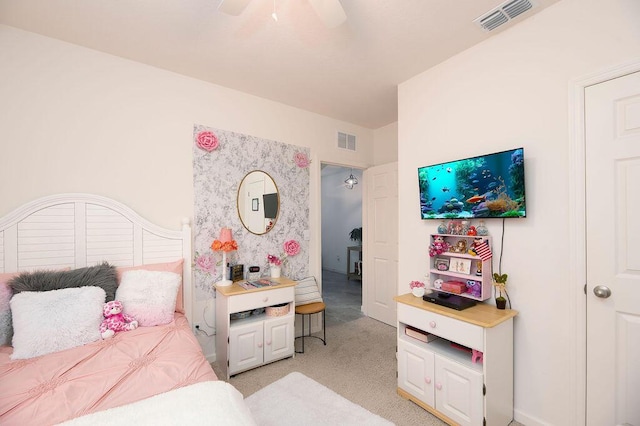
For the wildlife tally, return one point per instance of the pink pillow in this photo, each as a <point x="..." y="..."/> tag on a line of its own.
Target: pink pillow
<point x="175" y="267"/>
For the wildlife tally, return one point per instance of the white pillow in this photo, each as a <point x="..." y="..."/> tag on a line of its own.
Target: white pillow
<point x="51" y="321"/>
<point x="307" y="291"/>
<point x="149" y="296"/>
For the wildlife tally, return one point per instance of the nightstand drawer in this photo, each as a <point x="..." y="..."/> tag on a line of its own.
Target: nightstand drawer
<point x="457" y="331"/>
<point x="260" y="299"/>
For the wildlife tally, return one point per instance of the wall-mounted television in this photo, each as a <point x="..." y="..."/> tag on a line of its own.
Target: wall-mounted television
<point x="486" y="186"/>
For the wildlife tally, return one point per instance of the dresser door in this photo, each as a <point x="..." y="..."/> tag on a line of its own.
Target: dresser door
<point x="278" y="338"/>
<point x="416" y="372"/>
<point x="458" y="392"/>
<point x="245" y="346"/>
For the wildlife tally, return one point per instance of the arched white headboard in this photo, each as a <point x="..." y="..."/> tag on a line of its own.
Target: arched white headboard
<point x="77" y="230"/>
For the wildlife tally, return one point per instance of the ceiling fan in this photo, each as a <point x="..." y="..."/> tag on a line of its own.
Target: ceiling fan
<point x="330" y="12"/>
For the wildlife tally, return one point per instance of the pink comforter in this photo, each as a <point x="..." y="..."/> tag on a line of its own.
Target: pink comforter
<point x="129" y="367"/>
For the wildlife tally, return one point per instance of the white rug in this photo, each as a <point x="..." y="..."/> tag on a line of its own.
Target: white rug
<point x="298" y="400"/>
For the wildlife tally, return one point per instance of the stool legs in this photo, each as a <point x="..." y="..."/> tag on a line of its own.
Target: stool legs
<point x="324" y="330"/>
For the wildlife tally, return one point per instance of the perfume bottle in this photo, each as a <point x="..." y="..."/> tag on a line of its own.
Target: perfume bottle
<point x="482" y="230"/>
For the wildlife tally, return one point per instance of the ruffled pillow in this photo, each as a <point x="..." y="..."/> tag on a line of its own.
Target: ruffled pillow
<point x="51" y="321"/>
<point x="149" y="296"/>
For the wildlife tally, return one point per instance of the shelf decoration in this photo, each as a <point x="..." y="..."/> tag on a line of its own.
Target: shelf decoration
<point x="207" y="140"/>
<point x="482" y="249"/>
<point x="438" y="246"/>
<point x="205" y="263"/>
<point x="224" y="244"/>
<point x="417" y="288"/>
<point x="500" y="283"/>
<point x="482" y="230"/>
<point x="301" y="159"/>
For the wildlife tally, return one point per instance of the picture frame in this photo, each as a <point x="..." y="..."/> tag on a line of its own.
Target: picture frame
<point x="462" y="266"/>
<point x="441" y="264"/>
<point x="254" y="205"/>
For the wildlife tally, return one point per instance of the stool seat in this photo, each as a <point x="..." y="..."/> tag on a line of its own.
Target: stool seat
<point x="310" y="308"/>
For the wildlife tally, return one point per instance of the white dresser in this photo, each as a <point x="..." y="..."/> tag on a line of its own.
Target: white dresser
<point x="246" y="343"/>
<point x="441" y="376"/>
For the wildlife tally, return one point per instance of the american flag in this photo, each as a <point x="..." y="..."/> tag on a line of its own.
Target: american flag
<point x="484" y="251"/>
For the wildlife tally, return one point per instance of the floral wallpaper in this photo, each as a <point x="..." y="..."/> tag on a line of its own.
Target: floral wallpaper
<point x="220" y="160"/>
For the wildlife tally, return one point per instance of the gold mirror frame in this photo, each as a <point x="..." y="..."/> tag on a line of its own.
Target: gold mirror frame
<point x="258" y="198"/>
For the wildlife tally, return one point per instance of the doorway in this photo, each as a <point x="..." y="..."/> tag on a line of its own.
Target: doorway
<point x="341" y="213"/>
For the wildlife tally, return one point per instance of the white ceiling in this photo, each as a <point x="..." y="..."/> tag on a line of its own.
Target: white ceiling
<point x="349" y="73"/>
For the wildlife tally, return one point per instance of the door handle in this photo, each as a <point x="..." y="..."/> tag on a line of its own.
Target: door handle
<point x="602" y="291"/>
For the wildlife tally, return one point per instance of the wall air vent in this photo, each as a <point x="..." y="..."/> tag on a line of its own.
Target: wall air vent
<point x="346" y="141"/>
<point x="503" y="14"/>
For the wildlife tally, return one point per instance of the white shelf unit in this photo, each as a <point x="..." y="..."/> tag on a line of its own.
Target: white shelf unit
<point x="441" y="378"/>
<point x="484" y="278"/>
<point x="246" y="343"/>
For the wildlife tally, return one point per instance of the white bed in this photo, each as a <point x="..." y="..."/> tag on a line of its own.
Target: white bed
<point x="134" y="372"/>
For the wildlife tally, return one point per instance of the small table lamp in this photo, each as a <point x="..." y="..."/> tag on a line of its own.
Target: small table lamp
<point x="224" y="244"/>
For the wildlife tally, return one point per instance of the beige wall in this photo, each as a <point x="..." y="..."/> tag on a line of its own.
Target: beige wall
<point x="385" y="142"/>
<point x="74" y="119"/>
<point x="513" y="90"/>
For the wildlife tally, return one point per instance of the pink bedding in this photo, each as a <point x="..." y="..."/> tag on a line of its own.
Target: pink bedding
<point x="129" y="367"/>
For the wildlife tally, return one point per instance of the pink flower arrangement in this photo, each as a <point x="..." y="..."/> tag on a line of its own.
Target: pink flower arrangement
<point x="274" y="260"/>
<point x="416" y="284"/>
<point x="301" y="160"/>
<point x="291" y="248"/>
<point x="207" y="140"/>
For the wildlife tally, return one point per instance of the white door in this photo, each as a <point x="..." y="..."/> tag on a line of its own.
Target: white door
<point x="612" y="117"/>
<point x="380" y="270"/>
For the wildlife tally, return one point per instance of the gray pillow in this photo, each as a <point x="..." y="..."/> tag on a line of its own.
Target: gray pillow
<point x="103" y="276"/>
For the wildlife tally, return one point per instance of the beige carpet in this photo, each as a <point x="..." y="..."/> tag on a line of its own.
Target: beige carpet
<point x="359" y="363"/>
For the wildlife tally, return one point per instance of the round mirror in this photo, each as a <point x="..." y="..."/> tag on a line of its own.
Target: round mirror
<point x="258" y="202"/>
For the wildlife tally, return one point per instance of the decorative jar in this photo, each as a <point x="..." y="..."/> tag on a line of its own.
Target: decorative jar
<point x="442" y="228"/>
<point x="275" y="271"/>
<point x="418" y="291"/>
<point x="482" y="230"/>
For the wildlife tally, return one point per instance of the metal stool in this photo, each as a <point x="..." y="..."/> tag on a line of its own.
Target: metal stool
<point x="308" y="310"/>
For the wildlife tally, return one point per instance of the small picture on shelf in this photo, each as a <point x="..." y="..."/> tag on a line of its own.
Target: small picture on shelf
<point x="441" y="264"/>
<point x="462" y="266"/>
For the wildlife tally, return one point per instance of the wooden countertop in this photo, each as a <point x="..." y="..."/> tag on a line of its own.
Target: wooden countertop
<point x="482" y="314"/>
<point x="235" y="289"/>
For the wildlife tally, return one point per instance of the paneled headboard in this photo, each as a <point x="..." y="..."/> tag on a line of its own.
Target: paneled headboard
<point x="77" y="230"/>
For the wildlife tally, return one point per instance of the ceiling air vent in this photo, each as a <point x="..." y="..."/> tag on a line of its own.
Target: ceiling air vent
<point x="503" y="13"/>
<point x="346" y="141"/>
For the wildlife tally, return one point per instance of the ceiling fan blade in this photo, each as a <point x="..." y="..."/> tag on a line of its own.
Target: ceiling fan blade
<point x="233" y="7"/>
<point x="329" y="11"/>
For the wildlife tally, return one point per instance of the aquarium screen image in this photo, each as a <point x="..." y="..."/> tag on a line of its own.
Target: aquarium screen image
<point x="480" y="187"/>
